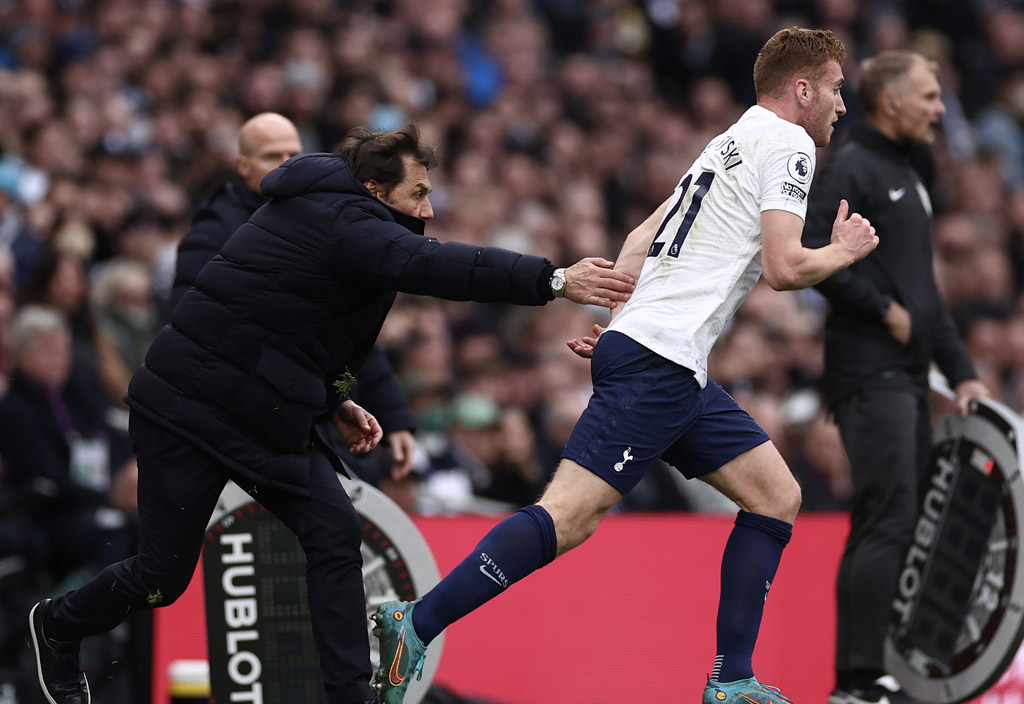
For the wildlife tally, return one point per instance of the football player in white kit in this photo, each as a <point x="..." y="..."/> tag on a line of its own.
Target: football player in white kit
<point x="737" y="214"/>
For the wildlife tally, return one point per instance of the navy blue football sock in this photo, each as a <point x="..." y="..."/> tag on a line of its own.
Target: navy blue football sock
<point x="749" y="563"/>
<point x="522" y="543"/>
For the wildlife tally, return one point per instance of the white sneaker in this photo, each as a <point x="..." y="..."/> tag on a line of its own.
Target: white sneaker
<point x="894" y="691"/>
<point x="889" y="682"/>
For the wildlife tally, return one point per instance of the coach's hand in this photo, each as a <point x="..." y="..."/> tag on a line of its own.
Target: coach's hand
<point x="358" y="426"/>
<point x="593" y="280"/>
<point x="899" y="323"/>
<point x="967" y="391"/>
<point x="584" y="347"/>
<point x="403" y="450"/>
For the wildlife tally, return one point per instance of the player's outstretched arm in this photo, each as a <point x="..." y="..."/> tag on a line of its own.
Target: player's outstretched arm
<point x="634" y="248"/>
<point x="630" y="261"/>
<point x="786" y="264"/>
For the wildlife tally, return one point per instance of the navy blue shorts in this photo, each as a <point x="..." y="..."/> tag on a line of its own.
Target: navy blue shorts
<point x="645" y="407"/>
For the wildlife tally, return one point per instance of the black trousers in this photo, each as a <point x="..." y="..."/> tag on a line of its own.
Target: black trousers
<point x="178" y="489"/>
<point x="887" y="434"/>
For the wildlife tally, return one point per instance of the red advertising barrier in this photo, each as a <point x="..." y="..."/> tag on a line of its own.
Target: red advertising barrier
<point x="627" y="617"/>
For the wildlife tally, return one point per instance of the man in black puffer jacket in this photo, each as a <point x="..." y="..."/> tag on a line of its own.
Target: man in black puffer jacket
<point x="254" y="354"/>
<point x="265" y="142"/>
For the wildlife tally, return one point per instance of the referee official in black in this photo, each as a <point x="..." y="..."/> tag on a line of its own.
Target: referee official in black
<point x="886" y="325"/>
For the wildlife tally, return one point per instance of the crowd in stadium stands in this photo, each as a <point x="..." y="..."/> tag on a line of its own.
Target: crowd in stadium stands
<point x="562" y="124"/>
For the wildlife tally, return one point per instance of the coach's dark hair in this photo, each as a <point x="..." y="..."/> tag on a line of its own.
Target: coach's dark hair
<point x="885" y="71"/>
<point x="378" y="155"/>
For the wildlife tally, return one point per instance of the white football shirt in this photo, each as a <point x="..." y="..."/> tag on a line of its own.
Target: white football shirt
<point x="707" y="255"/>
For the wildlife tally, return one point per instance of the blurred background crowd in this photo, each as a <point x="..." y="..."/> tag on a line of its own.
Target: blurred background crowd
<point x="562" y="124"/>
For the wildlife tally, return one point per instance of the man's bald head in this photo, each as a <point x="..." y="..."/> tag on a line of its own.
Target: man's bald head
<point x="265" y="142"/>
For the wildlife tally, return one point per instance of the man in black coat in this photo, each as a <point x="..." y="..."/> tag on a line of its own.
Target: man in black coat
<point x="265" y="141"/>
<point x="256" y="352"/>
<point x="886" y="325"/>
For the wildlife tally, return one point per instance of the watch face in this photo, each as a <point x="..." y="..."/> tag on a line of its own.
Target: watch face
<point x="959" y="608"/>
<point x="257" y="613"/>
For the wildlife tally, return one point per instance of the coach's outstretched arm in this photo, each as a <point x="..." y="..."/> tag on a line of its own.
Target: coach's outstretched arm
<point x="393" y="257"/>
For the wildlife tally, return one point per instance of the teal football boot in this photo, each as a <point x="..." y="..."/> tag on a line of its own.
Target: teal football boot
<point x="748" y="691"/>
<point x="401" y="651"/>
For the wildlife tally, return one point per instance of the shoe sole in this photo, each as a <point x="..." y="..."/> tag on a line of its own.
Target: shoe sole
<point x="39" y="662"/>
<point x="35" y="648"/>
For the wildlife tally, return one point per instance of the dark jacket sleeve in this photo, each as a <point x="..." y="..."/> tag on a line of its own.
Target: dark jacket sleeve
<point x="384" y="253"/>
<point x="847" y="291"/>
<point x="204" y="239"/>
<point x="378" y="391"/>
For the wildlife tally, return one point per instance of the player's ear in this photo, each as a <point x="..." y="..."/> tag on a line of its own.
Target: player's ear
<point x="802" y="88"/>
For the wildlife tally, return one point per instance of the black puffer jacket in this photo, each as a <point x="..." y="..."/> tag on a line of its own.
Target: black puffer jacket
<point x="227" y="208"/>
<point x="295" y="297"/>
<point x="377" y="389"/>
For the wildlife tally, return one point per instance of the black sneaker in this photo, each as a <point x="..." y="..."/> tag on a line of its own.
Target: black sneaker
<point x="60" y="675"/>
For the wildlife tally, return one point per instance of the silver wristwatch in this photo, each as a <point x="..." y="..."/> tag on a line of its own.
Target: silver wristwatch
<point x="557" y="283"/>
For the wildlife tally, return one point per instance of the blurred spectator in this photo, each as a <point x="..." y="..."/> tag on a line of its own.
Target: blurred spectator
<point x="16" y="234"/>
<point x="516" y="475"/>
<point x="7" y="309"/>
<point x="56" y="445"/>
<point x="59" y="281"/>
<point x="821" y="466"/>
<point x="73" y="478"/>
<point x="125" y="318"/>
<point x="999" y="128"/>
<point x="456" y="466"/>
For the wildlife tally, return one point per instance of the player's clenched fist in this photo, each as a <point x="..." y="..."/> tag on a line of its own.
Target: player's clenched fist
<point x="853" y="232"/>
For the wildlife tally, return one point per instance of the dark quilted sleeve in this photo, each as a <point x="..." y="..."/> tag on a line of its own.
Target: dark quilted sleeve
<point x="384" y="253"/>
<point x="207" y="235"/>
